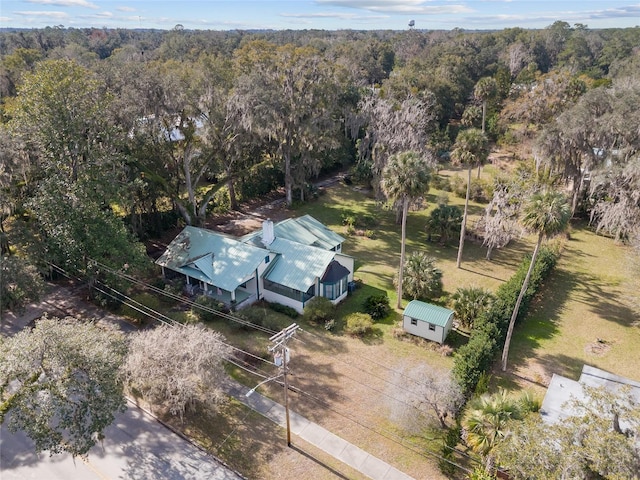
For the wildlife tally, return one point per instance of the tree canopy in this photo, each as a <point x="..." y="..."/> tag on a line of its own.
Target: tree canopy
<point x="60" y="383"/>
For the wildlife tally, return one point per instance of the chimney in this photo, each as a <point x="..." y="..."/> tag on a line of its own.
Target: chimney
<point x="268" y="235"/>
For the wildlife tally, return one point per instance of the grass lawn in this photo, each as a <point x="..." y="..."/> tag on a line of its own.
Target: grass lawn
<point x="587" y="313"/>
<point x="349" y="385"/>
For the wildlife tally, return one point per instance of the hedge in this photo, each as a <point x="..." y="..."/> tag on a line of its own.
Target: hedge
<point x="475" y="358"/>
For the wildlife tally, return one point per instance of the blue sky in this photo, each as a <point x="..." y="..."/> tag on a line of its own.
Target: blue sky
<point x="318" y="14"/>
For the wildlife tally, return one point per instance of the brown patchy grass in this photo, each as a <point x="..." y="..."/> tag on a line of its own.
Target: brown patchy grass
<point x="350" y="383"/>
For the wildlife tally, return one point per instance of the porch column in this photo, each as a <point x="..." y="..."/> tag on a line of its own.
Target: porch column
<point x="233" y="295"/>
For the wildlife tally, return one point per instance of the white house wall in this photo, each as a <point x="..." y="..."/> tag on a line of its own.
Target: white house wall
<point x="273" y="297"/>
<point x="422" y="330"/>
<point x="347" y="262"/>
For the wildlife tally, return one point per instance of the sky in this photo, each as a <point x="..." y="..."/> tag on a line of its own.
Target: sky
<point x="318" y="14"/>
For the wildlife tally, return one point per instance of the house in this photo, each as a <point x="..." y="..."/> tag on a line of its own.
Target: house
<point x="289" y="263"/>
<point x="427" y="321"/>
<point x="556" y="405"/>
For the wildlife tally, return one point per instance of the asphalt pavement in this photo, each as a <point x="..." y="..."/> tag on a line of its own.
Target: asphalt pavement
<point x="136" y="446"/>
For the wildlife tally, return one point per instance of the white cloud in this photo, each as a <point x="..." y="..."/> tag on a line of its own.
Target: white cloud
<point x="100" y="15"/>
<point x="413" y="7"/>
<point x="341" y="16"/>
<point x="5" y="19"/>
<point x="64" y="3"/>
<point x="54" y="15"/>
<point x="126" y="9"/>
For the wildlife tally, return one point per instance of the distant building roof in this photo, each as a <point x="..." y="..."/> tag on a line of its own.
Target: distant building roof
<point x="212" y="257"/>
<point x="427" y="312"/>
<point x="298" y="265"/>
<point x="556" y="407"/>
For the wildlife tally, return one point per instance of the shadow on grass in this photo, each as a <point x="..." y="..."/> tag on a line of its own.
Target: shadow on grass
<point x="604" y="301"/>
<point x="335" y="472"/>
<point x="242" y="438"/>
<point x="541" y="322"/>
<point x="374" y="337"/>
<point x="456" y="339"/>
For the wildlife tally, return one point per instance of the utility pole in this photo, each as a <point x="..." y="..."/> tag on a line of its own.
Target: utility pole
<point x="279" y="346"/>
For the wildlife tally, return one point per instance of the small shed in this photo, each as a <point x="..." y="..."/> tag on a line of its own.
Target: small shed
<point x="427" y="321"/>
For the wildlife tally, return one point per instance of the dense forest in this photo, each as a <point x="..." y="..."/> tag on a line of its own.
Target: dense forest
<point x="111" y="136"/>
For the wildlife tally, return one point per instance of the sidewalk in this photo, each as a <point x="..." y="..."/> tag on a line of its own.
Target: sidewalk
<point x="335" y="446"/>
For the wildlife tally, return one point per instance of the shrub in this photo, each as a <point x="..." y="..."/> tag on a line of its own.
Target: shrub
<point x="475" y="358"/>
<point x="358" y="324"/>
<point x="422" y="279"/>
<point x="174" y="287"/>
<point x="205" y="308"/>
<point x="440" y="182"/>
<point x="284" y="309"/>
<point x="252" y="315"/>
<point x="318" y="310"/>
<point x="377" y="306"/>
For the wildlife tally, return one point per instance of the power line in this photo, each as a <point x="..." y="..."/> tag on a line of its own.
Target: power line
<point x="158" y="316"/>
<point x="243" y="322"/>
<point x="384" y="433"/>
<point x="184" y="300"/>
<point x="119" y="296"/>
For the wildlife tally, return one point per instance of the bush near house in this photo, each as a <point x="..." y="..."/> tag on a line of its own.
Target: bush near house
<point x="284" y="309"/>
<point x="358" y="324"/>
<point x="475" y="358"/>
<point x="377" y="306"/>
<point x="318" y="310"/>
<point x="205" y="308"/>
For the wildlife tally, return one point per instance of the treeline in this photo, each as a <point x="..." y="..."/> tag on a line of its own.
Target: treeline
<point x="112" y="136"/>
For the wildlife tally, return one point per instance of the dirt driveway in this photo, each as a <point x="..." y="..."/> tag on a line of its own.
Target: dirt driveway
<point x="60" y="300"/>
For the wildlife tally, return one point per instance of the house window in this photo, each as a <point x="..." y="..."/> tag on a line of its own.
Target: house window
<point x="334" y="290"/>
<point x="432" y="327"/>
<point x="414" y="321"/>
<point x="267" y="259"/>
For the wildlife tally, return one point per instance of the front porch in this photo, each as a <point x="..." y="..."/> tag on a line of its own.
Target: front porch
<point x="240" y="298"/>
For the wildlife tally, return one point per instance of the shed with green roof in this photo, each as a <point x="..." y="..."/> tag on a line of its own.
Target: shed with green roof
<point x="427" y="320"/>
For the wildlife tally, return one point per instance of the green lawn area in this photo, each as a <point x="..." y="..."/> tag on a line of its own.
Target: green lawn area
<point x="349" y="383"/>
<point x="587" y="313"/>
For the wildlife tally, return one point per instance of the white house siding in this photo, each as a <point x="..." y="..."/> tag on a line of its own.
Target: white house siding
<point x="347" y="262"/>
<point x="273" y="297"/>
<point x="422" y="329"/>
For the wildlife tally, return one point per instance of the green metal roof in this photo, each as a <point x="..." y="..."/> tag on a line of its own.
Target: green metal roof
<point x="212" y="257"/>
<point x="427" y="312"/>
<point x="305" y="230"/>
<point x="298" y="265"/>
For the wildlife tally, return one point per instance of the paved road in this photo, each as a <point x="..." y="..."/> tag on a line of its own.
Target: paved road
<point x="136" y="446"/>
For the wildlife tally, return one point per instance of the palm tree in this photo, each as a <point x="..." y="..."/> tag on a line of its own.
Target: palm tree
<point x="423" y="279"/>
<point x="485" y="422"/>
<point x="547" y="214"/>
<point x="405" y="178"/>
<point x="483" y="91"/>
<point x="470" y="149"/>
<point x="469" y="303"/>
<point x="444" y="221"/>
